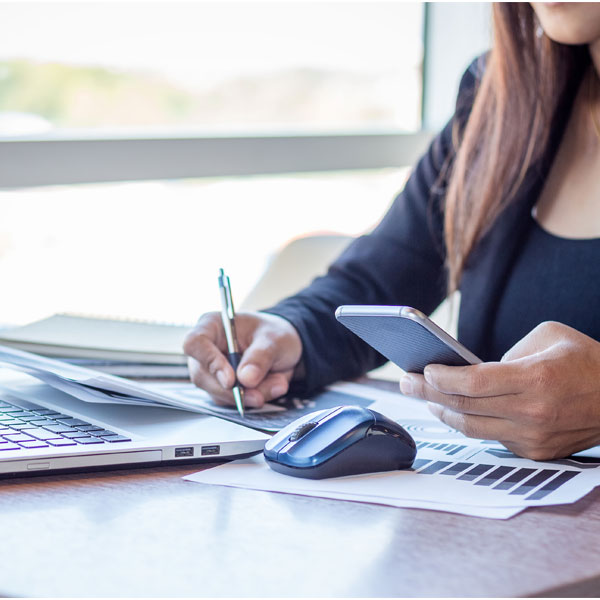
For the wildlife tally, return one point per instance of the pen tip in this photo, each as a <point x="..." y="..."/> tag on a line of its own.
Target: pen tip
<point x="238" y="395"/>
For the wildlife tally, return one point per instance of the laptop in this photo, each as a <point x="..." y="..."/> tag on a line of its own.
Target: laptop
<point x="44" y="431"/>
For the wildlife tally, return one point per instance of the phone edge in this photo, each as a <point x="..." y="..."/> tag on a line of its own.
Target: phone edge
<point x="407" y="312"/>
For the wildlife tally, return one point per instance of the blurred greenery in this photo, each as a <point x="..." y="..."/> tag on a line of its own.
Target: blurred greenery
<point x="73" y="96"/>
<point x="82" y="96"/>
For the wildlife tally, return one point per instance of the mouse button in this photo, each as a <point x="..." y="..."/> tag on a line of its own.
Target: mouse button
<point x="296" y="431"/>
<point x="330" y="437"/>
<point x="331" y="414"/>
<point x="281" y="438"/>
<point x="347" y="418"/>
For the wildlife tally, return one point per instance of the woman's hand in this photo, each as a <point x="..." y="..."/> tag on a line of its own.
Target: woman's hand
<point x="542" y="401"/>
<point x="271" y="350"/>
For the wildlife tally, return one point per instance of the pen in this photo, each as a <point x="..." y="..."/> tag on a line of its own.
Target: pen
<point x="234" y="355"/>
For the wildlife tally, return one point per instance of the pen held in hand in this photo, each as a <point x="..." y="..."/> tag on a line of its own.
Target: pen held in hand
<point x="234" y="355"/>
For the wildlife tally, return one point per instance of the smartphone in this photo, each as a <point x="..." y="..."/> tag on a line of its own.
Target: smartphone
<point x="405" y="336"/>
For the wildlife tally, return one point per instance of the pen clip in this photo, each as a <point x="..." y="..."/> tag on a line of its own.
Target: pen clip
<point x="227" y="298"/>
<point x="228" y="312"/>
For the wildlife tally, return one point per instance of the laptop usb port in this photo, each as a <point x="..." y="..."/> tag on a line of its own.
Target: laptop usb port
<point x="182" y="452"/>
<point x="210" y="450"/>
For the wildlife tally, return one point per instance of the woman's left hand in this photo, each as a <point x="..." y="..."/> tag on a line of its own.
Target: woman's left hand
<point x="542" y="401"/>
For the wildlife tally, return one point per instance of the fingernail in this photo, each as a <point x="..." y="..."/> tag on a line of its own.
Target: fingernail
<point x="406" y="385"/>
<point x="222" y="378"/>
<point x="427" y="374"/>
<point x="250" y="374"/>
<point x="278" y="390"/>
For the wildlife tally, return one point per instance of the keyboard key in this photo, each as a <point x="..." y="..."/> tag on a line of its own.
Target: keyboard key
<point x="42" y="434"/>
<point x="76" y="434"/>
<point x="72" y="422"/>
<point x="18" y="437"/>
<point x="33" y="444"/>
<point x="90" y="440"/>
<point x="29" y="418"/>
<point x="17" y="413"/>
<point x="46" y="412"/>
<point x="116" y="438"/>
<point x="90" y="428"/>
<point x="62" y="442"/>
<point x="9" y="447"/>
<point x="11" y="421"/>
<point x="103" y="433"/>
<point x="23" y="426"/>
<point x="42" y="422"/>
<point x="56" y="428"/>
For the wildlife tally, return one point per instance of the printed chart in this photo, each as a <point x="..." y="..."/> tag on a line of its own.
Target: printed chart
<point x="451" y="472"/>
<point x="487" y="463"/>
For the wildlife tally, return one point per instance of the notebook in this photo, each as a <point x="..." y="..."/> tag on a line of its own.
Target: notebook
<point x="65" y="335"/>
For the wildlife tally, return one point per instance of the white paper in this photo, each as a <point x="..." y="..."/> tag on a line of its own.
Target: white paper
<point x="90" y="385"/>
<point x="253" y="473"/>
<point x="482" y="495"/>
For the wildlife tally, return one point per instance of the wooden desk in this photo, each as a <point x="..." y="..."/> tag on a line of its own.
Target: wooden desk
<point x="147" y="532"/>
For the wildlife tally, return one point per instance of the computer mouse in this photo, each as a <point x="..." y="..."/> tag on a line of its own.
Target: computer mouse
<point x="345" y="440"/>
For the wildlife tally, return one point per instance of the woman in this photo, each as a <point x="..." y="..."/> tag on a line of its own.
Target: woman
<point x="505" y="206"/>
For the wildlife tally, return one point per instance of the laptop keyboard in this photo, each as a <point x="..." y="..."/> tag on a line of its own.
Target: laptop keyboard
<point x="24" y="424"/>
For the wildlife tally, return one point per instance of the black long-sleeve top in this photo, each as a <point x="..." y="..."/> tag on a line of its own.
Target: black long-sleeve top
<point x="402" y="263"/>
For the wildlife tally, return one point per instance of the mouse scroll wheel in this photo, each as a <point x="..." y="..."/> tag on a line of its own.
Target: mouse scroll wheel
<point x="302" y="431"/>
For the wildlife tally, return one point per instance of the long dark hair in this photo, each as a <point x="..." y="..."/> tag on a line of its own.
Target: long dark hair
<point x="508" y="127"/>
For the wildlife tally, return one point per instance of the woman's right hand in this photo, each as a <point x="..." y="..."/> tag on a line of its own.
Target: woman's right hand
<point x="271" y="350"/>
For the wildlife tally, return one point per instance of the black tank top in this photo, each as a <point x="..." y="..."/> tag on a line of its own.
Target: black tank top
<point x="552" y="279"/>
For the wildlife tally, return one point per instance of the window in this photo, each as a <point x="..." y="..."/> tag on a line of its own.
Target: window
<point x="268" y="87"/>
<point x="210" y="66"/>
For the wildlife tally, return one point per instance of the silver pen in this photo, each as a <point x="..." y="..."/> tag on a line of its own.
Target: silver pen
<point x="233" y="349"/>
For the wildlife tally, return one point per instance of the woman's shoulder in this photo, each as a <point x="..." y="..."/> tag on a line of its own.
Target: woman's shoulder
<point x="469" y="84"/>
<point x="444" y="145"/>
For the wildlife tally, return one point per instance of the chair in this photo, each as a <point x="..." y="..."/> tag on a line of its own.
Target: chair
<point x="293" y="267"/>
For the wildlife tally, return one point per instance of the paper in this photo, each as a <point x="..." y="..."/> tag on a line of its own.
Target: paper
<point x="273" y="416"/>
<point x="93" y="386"/>
<point x="451" y="473"/>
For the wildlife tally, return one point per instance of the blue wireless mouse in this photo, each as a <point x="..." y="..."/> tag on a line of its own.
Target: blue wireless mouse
<point x="345" y="440"/>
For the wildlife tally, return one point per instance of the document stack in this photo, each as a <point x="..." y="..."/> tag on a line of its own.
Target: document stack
<point x="128" y="348"/>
